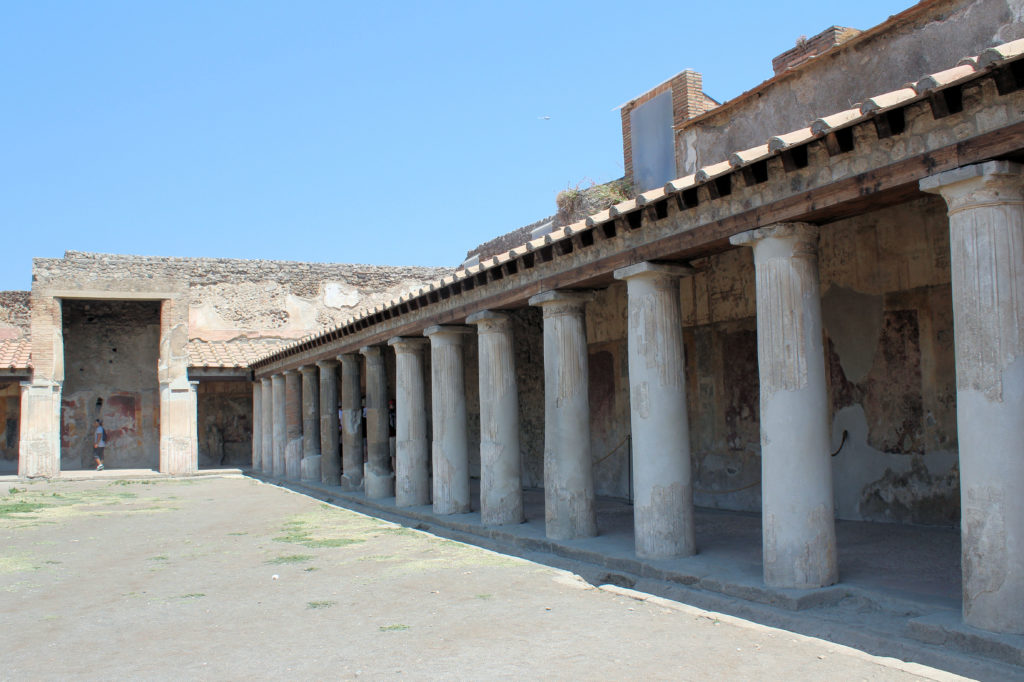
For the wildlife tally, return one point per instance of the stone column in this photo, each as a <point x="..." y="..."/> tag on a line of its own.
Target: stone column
<point x="798" y="525"/>
<point x="330" y="458"/>
<point x="267" y="425"/>
<point x="380" y="482"/>
<point x="501" y="487"/>
<point x="310" y="465"/>
<point x="39" y="427"/>
<point x="280" y="432"/>
<point x="568" y="469"/>
<point x="986" y="223"/>
<point x="352" y="422"/>
<point x="450" y="443"/>
<point x="179" y="446"/>
<point x="292" y="425"/>
<point x="412" y="456"/>
<point x="663" y="521"/>
<point x="257" y="426"/>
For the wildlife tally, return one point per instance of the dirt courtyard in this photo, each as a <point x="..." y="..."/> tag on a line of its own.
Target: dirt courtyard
<point x="230" y="578"/>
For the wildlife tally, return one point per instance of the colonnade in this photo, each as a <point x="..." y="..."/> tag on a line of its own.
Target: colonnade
<point x="986" y="209"/>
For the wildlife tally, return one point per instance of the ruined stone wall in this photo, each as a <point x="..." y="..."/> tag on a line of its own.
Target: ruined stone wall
<point x="15" y="316"/>
<point x="224" y="432"/>
<point x="935" y="38"/>
<point x="110" y="360"/>
<point x="887" y="316"/>
<point x="232" y="298"/>
<point x="10" y="410"/>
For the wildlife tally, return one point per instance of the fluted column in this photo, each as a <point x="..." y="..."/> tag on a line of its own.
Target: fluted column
<point x="663" y="521"/>
<point x="310" y="465"/>
<point x="257" y="426"/>
<point x="501" y="488"/>
<point x="380" y="482"/>
<point x="330" y="458"/>
<point x="351" y="422"/>
<point x="293" y="424"/>
<point x="267" y="467"/>
<point x="412" y="456"/>
<point x="568" y="470"/>
<point x="450" y="444"/>
<point x="986" y="224"/>
<point x="799" y="539"/>
<point x="280" y="432"/>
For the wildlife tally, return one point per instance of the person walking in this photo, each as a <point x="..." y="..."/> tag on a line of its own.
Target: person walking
<point x="98" y="444"/>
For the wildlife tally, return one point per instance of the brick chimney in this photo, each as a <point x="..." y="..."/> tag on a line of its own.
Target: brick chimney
<point x="808" y="48"/>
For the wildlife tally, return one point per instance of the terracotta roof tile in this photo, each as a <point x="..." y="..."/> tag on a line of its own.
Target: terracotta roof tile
<point x="236" y="353"/>
<point x="747" y="156"/>
<point x="827" y="124"/>
<point x="887" y="100"/>
<point x="945" y="78"/>
<point x="15" y="354"/>
<point x="1001" y="53"/>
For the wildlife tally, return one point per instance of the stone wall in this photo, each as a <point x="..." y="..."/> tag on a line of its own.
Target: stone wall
<point x="233" y="298"/>
<point x="931" y="37"/>
<point x="15" y="316"/>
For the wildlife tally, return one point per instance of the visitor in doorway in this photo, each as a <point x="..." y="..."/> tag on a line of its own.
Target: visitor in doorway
<point x="98" y="444"/>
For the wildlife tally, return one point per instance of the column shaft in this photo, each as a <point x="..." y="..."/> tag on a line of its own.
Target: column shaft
<point x="663" y="520"/>
<point x="412" y="456"/>
<point x="501" y="488"/>
<point x="569" y="510"/>
<point x="293" y="424"/>
<point x="352" y="422"/>
<point x="380" y="482"/>
<point x="449" y="446"/>
<point x="330" y="457"/>
<point x="798" y="525"/>
<point x="257" y="426"/>
<point x="267" y="425"/>
<point x="280" y="432"/>
<point x="986" y="222"/>
<point x="310" y="424"/>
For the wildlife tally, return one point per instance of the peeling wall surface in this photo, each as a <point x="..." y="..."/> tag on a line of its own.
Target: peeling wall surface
<point x="225" y="423"/>
<point x="110" y="361"/>
<point x="10" y="411"/>
<point x="931" y="40"/>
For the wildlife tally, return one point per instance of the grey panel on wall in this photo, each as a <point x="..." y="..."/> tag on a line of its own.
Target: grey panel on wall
<point x="650" y="126"/>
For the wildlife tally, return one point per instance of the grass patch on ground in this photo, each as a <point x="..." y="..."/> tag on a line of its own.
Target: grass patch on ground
<point x="290" y="559"/>
<point x="320" y="604"/>
<point x="393" y="628"/>
<point x="314" y="530"/>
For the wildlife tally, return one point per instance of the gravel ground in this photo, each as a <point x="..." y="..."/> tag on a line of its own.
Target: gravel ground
<point x="229" y="578"/>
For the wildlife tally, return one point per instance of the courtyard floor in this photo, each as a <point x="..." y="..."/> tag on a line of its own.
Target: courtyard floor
<point x="226" y="577"/>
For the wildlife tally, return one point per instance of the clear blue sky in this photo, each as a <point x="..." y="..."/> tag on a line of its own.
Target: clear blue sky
<point x="397" y="133"/>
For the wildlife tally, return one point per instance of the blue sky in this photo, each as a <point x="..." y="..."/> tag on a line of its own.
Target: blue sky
<point x="397" y="133"/>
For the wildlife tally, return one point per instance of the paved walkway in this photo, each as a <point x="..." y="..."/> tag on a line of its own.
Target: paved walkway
<point x="223" y="578"/>
<point x="899" y="590"/>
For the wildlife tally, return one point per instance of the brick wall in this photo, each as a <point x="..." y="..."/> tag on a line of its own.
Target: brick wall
<point x="688" y="101"/>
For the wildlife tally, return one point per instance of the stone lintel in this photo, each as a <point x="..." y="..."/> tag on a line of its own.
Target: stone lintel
<point x="806" y="231"/>
<point x="651" y="268"/>
<point x="443" y="329"/>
